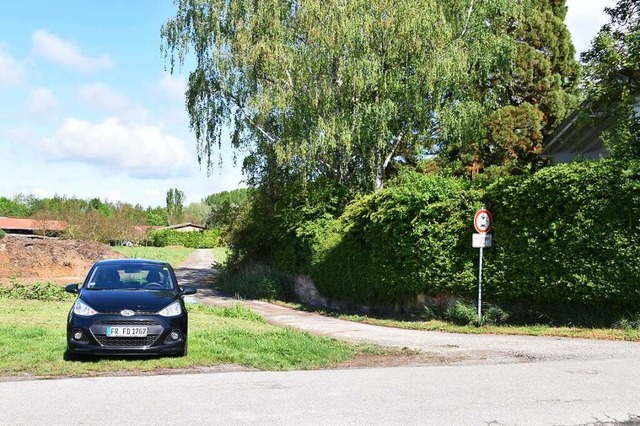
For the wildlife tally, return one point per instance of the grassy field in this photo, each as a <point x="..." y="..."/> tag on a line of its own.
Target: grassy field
<point x="629" y="333"/>
<point x="32" y="344"/>
<point x="220" y="255"/>
<point x="172" y="254"/>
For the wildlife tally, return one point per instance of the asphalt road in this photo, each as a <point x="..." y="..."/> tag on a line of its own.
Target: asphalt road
<point x="502" y="380"/>
<point x="545" y="393"/>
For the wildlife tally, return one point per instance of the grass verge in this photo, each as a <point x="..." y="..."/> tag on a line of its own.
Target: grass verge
<point x="172" y="254"/>
<point x="32" y="344"/>
<point x="623" y="333"/>
<point x="220" y="255"/>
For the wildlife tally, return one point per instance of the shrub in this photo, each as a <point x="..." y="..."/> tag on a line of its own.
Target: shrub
<point x="411" y="238"/>
<point x="256" y="281"/>
<point x="206" y="239"/>
<point x="41" y="291"/>
<point x="461" y="313"/>
<point x="567" y="235"/>
<point x="2" y="234"/>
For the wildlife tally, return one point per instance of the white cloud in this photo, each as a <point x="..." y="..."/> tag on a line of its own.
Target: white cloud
<point x="141" y="151"/>
<point x="67" y="53"/>
<point x="584" y="19"/>
<point x="103" y="97"/>
<point x="11" y="71"/>
<point x="173" y="86"/>
<point x="42" y="102"/>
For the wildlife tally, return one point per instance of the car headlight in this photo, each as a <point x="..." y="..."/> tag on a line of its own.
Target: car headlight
<point x="82" y="309"/>
<point x="173" y="310"/>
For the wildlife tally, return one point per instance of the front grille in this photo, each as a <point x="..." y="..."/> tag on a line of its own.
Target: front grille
<point x="129" y="342"/>
<point x="134" y="323"/>
<point x="139" y="313"/>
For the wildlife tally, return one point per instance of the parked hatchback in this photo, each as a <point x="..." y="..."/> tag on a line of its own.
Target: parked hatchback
<point x="128" y="307"/>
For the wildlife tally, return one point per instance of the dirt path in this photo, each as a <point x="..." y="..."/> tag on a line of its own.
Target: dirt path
<point x="443" y="346"/>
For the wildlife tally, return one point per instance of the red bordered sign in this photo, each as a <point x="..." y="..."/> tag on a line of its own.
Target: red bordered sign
<point x="482" y="221"/>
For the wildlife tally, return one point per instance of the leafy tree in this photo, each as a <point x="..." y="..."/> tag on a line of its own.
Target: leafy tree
<point x="346" y="90"/>
<point x="520" y="106"/>
<point x="157" y="216"/>
<point x="197" y="213"/>
<point x="612" y="78"/>
<point x="175" y="206"/>
<point x="225" y="206"/>
<point x="13" y="208"/>
<point x="97" y="205"/>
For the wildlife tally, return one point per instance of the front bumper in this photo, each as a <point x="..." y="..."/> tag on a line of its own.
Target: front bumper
<point x="157" y="342"/>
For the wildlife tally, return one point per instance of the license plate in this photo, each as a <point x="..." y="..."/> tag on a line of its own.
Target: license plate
<point x="126" y="331"/>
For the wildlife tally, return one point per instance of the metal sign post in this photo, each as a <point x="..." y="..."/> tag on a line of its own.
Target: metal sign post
<point x="482" y="221"/>
<point x="480" y="287"/>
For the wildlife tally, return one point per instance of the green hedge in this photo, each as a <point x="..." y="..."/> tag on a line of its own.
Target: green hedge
<point x="205" y="239"/>
<point x="413" y="237"/>
<point x="567" y="235"/>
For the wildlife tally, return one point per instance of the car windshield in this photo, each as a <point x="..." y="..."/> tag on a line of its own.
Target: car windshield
<point x="130" y="277"/>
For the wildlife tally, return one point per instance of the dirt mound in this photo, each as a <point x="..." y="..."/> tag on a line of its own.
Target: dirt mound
<point x="37" y="259"/>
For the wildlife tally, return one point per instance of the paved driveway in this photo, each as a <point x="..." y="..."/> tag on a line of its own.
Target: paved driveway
<point x="465" y="348"/>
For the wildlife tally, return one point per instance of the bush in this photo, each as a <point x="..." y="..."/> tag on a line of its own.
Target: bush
<point x="47" y="292"/>
<point x="2" y="234"/>
<point x="206" y="239"/>
<point x="567" y="236"/>
<point x="461" y="313"/>
<point x="256" y="281"/>
<point x="410" y="238"/>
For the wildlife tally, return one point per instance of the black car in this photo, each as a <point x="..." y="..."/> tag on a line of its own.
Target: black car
<point x="128" y="307"/>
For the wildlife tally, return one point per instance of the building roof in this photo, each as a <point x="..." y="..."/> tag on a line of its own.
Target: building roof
<point x="183" y="225"/>
<point x="579" y="136"/>
<point x="14" y="224"/>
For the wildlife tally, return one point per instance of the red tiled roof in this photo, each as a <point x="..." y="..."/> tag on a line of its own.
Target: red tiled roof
<point x="14" y="223"/>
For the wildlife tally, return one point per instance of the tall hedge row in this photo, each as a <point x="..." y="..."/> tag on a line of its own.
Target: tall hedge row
<point x="411" y="238"/>
<point x="568" y="234"/>
<point x="206" y="239"/>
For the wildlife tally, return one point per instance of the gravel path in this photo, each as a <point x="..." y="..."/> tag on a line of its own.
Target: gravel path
<point x="465" y="348"/>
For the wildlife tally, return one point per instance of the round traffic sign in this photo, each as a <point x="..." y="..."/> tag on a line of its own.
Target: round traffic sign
<point x="482" y="221"/>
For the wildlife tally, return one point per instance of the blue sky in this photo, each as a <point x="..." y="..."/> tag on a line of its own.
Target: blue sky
<point x="87" y="110"/>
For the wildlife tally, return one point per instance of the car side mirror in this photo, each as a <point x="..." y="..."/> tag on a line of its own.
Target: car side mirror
<point x="72" y="288"/>
<point x="187" y="290"/>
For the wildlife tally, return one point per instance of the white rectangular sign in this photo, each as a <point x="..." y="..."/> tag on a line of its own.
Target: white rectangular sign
<point x="481" y="240"/>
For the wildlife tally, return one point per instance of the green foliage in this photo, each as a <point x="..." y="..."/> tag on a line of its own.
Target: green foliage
<point x="516" y="108"/>
<point x="256" y="282"/>
<point x="567" y="235"/>
<point x="2" y="234"/>
<point x="461" y="313"/>
<point x="205" y="239"/>
<point x="47" y="292"/>
<point x="343" y="90"/>
<point x="173" y="255"/>
<point x="14" y="207"/>
<point x="411" y="238"/>
<point x="175" y="206"/>
<point x="157" y="216"/>
<point x="612" y="78"/>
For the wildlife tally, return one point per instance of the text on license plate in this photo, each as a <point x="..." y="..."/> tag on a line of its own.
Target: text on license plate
<point x="126" y="331"/>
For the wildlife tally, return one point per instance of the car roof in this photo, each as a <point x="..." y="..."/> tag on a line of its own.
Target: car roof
<point x="130" y="262"/>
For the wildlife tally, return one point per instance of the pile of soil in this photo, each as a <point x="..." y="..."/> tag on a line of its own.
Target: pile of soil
<point x="32" y="259"/>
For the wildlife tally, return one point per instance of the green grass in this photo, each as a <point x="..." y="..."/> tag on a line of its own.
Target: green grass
<point x="32" y="344"/>
<point x="623" y="333"/>
<point x="172" y="254"/>
<point x="220" y="255"/>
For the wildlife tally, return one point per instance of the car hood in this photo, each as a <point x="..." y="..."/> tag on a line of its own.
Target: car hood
<point x="136" y="300"/>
